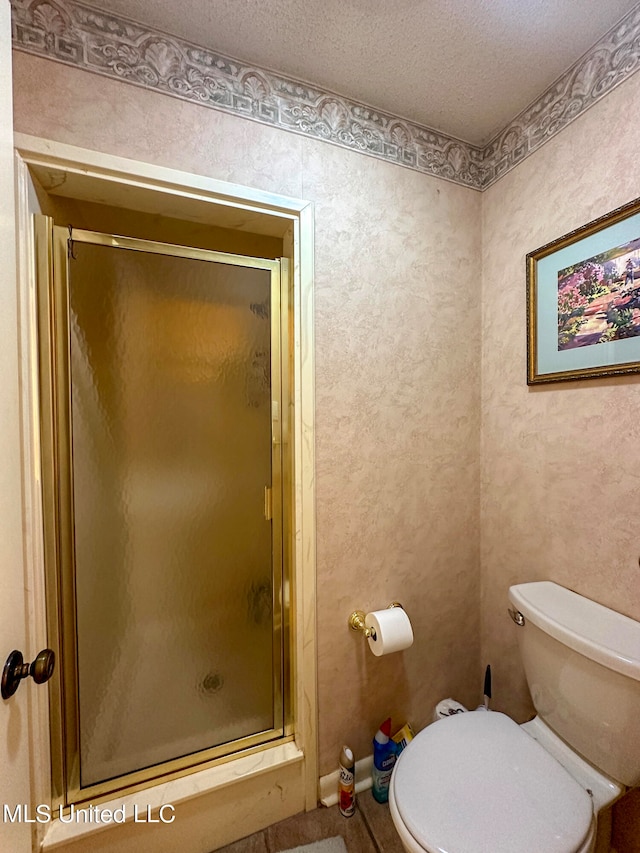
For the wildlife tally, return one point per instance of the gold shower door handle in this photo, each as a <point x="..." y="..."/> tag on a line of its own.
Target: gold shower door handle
<point x="268" y="508"/>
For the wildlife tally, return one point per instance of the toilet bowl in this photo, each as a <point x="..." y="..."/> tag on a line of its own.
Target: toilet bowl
<point x="488" y="786"/>
<point x="478" y="782"/>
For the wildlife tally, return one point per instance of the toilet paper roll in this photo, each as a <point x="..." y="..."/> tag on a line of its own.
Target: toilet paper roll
<point x="391" y="631"/>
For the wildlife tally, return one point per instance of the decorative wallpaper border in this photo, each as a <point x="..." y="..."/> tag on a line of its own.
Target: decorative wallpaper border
<point x="71" y="32"/>
<point x="611" y="60"/>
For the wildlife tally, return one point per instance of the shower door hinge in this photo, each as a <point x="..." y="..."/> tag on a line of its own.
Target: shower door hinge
<point x="267" y="504"/>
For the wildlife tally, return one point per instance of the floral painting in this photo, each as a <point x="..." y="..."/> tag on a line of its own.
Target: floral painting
<point x="583" y="301"/>
<point x="599" y="299"/>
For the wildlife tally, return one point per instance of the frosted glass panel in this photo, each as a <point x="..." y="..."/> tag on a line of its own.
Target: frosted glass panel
<point x="171" y="444"/>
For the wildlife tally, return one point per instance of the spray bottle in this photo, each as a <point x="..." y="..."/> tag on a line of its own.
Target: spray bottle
<point x="384" y="757"/>
<point x="346" y="785"/>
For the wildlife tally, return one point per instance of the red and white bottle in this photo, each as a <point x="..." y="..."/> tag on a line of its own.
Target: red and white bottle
<point x="347" y="783"/>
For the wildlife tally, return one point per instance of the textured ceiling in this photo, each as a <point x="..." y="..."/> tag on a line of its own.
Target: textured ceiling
<point x="463" y="67"/>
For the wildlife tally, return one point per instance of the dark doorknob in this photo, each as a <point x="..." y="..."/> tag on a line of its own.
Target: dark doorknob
<point x="15" y="670"/>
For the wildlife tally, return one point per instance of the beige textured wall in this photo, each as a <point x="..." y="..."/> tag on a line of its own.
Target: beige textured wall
<point x="559" y="476"/>
<point x="397" y="306"/>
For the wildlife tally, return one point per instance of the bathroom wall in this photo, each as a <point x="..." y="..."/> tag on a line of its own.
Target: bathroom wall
<point x="401" y="308"/>
<point x="397" y="307"/>
<point x="559" y="478"/>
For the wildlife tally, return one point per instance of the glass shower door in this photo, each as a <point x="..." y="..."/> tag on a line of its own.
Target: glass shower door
<point x="168" y="393"/>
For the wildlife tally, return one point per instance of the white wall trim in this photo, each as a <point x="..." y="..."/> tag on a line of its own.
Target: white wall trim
<point x="329" y="783"/>
<point x="14" y="733"/>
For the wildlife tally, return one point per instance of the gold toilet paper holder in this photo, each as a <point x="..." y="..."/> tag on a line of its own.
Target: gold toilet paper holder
<point x="356" y="620"/>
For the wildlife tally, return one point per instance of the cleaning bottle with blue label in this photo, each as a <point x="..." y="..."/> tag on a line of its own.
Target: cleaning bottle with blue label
<point x="384" y="757"/>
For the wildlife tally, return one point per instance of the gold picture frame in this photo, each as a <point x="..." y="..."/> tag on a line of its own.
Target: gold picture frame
<point x="583" y="301"/>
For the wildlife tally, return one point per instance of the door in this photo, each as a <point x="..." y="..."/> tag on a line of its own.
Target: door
<point x="14" y="746"/>
<point x="162" y="471"/>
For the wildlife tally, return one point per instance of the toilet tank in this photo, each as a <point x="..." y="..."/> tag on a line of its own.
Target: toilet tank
<point x="582" y="663"/>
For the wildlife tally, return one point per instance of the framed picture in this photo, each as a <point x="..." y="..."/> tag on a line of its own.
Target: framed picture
<point x="583" y="301"/>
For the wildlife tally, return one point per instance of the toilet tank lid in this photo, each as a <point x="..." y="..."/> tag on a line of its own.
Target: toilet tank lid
<point x="589" y="628"/>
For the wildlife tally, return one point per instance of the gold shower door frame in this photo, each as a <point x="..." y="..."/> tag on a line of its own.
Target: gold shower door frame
<point x="53" y="246"/>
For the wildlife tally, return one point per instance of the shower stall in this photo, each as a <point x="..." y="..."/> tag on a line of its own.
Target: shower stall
<point x="164" y="395"/>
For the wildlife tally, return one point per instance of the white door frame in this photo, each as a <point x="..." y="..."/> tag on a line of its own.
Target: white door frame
<point x="95" y="176"/>
<point x="14" y="712"/>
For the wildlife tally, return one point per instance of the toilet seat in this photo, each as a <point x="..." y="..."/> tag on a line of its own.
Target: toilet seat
<point x="476" y="782"/>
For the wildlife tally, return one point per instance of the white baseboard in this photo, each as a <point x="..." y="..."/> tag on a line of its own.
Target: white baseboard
<point x="329" y="783"/>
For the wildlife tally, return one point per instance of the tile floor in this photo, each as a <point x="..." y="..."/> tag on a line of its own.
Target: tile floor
<point x="370" y="830"/>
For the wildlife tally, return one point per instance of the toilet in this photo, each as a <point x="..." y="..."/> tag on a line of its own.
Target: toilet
<point x="478" y="782"/>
